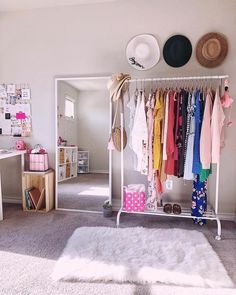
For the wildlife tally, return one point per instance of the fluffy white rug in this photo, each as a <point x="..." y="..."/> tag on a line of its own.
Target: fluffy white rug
<point x="141" y="255"/>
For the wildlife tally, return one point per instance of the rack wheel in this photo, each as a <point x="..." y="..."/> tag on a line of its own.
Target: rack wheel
<point x="218" y="238"/>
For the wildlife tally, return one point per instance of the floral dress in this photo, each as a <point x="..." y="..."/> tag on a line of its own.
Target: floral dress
<point x="199" y="199"/>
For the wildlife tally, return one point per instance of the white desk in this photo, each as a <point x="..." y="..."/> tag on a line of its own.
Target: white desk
<point x="11" y="153"/>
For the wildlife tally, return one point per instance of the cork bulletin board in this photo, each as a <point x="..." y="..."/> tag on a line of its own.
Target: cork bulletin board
<point x="15" y="110"/>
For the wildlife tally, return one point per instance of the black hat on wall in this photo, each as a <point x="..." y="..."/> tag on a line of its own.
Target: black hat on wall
<point x="177" y="51"/>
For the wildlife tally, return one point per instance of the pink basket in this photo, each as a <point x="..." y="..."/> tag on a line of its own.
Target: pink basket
<point x="38" y="162"/>
<point x="134" y="201"/>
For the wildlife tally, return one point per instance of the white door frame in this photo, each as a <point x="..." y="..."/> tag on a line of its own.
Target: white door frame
<point x="57" y="79"/>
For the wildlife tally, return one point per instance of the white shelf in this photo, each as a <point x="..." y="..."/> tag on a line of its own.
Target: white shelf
<point x="67" y="162"/>
<point x="61" y="164"/>
<point x="186" y="213"/>
<point x="68" y="147"/>
<point x="83" y="162"/>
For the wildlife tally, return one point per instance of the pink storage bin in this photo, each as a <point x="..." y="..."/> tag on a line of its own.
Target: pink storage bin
<point x="38" y="162"/>
<point x="134" y="198"/>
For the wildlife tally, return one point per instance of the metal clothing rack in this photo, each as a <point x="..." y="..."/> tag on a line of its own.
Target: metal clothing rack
<point x="212" y="214"/>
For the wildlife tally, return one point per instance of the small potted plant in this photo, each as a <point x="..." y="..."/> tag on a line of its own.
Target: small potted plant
<point x="107" y="209"/>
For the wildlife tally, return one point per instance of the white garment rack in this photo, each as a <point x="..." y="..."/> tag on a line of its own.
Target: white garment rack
<point x="211" y="214"/>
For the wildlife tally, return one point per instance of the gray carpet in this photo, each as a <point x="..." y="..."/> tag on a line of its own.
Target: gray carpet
<point x="30" y="243"/>
<point x="85" y="192"/>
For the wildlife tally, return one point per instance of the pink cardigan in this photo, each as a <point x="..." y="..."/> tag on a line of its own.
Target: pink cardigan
<point x="217" y="123"/>
<point x="205" y="139"/>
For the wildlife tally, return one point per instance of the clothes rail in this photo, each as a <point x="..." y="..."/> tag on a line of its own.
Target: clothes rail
<point x="211" y="214"/>
<point x="180" y="78"/>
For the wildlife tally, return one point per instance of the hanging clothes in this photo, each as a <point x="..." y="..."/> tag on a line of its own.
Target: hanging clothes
<point x="152" y="196"/>
<point x="176" y="128"/>
<point x="165" y="129"/>
<point x="198" y="122"/>
<point x="217" y="123"/>
<point x="170" y="143"/>
<point x="140" y="135"/>
<point x="150" y="121"/>
<point x="188" y="174"/>
<point x="158" y="117"/>
<point x="204" y="173"/>
<point x="199" y="199"/>
<point x="188" y="119"/>
<point x="205" y="140"/>
<point x="132" y="107"/>
<point x="176" y="132"/>
<point x="184" y="113"/>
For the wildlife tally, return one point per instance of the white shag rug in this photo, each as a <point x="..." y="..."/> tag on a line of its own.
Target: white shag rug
<point x="141" y="255"/>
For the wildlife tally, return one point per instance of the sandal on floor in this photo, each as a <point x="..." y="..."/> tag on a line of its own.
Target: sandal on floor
<point x="177" y="209"/>
<point x="167" y="208"/>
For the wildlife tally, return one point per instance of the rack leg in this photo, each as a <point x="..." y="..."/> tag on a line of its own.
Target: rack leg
<point x="118" y="218"/>
<point x="218" y="237"/>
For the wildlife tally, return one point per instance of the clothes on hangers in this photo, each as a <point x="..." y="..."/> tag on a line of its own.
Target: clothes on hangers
<point x="139" y="135"/>
<point x="190" y="133"/>
<point x="177" y="132"/>
<point x="217" y="123"/>
<point x="158" y="117"/>
<point x="170" y="142"/>
<point x="198" y="123"/>
<point x="199" y="199"/>
<point x="205" y="140"/>
<point x="150" y="122"/>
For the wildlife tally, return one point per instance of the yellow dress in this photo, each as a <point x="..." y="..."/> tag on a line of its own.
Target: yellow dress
<point x="158" y="117"/>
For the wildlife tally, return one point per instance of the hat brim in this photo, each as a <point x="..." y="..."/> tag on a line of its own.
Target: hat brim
<point x="143" y="64"/>
<point x="223" y="53"/>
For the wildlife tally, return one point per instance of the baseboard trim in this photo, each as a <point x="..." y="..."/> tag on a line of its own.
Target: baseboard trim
<point x="11" y="200"/>
<point x="222" y="216"/>
<point x="227" y="216"/>
<point x="99" y="171"/>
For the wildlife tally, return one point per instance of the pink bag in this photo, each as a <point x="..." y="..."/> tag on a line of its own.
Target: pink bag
<point x="134" y="198"/>
<point x="38" y="162"/>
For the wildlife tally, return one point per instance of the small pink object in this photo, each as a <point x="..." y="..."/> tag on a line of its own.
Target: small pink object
<point x="226" y="100"/>
<point x="20" y="116"/>
<point x="20" y="145"/>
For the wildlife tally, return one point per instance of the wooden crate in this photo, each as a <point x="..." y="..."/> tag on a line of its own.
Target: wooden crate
<point x="44" y="181"/>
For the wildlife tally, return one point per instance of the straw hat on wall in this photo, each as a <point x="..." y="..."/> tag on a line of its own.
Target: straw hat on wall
<point x="211" y="50"/>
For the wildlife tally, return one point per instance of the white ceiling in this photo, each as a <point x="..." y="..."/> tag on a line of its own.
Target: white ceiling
<point x="89" y="84"/>
<point x="13" y="5"/>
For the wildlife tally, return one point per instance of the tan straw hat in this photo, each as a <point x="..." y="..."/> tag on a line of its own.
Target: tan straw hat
<point x="116" y="84"/>
<point x="211" y="50"/>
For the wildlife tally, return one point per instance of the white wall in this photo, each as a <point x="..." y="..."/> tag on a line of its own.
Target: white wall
<point x="67" y="128"/>
<point x="40" y="44"/>
<point x="93" y="128"/>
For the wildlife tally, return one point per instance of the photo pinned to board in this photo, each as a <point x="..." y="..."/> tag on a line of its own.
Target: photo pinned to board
<point x="25" y="93"/>
<point x="15" y="110"/>
<point x="3" y="92"/>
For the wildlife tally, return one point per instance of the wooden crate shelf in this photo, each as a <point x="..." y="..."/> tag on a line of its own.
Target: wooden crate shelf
<point x="44" y="182"/>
